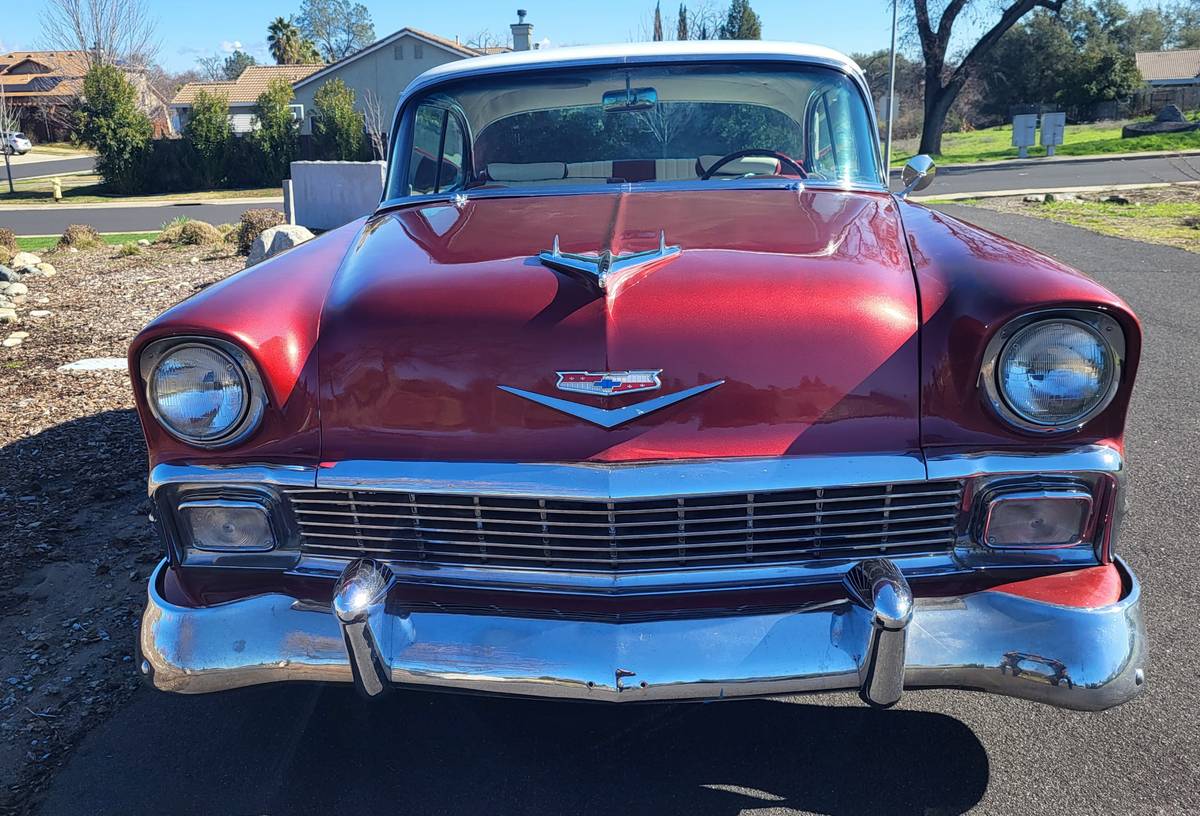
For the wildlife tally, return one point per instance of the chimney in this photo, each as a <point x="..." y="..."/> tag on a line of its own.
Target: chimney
<point x="522" y="32"/>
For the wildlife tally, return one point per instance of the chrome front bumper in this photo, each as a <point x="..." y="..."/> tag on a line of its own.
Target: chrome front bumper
<point x="877" y="640"/>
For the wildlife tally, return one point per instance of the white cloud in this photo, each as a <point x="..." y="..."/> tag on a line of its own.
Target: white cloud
<point x="229" y="46"/>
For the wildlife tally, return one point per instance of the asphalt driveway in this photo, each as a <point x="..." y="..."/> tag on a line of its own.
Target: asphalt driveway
<point x="307" y="749"/>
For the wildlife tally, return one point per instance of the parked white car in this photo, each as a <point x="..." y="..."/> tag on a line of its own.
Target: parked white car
<point x="16" y="143"/>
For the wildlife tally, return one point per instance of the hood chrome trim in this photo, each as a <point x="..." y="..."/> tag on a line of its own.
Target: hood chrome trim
<point x="599" y="268"/>
<point x="610" y="417"/>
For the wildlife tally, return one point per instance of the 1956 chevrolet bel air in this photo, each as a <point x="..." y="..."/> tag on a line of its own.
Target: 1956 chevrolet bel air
<point x="639" y="384"/>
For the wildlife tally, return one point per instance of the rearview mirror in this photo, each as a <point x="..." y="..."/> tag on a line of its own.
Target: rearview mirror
<point x="917" y="174"/>
<point x="629" y="99"/>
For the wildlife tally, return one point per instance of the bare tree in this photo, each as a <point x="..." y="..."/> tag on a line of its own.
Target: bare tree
<point x="942" y="84"/>
<point x="704" y="21"/>
<point x="212" y="68"/>
<point x="376" y="124"/>
<point x="107" y="31"/>
<point x="485" y="40"/>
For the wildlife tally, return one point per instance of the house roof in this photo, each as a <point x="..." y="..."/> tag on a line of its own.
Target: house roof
<point x="1160" y="66"/>
<point x="28" y="75"/>
<point x="246" y="89"/>
<point x="433" y="39"/>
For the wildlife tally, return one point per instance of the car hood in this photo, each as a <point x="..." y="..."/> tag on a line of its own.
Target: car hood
<point x="800" y="303"/>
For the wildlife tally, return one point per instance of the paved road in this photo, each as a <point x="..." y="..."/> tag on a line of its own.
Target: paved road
<point x="32" y="169"/>
<point x="1056" y="175"/>
<point x="50" y="220"/>
<point x="307" y="749"/>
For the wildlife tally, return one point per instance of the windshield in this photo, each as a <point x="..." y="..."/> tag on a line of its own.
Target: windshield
<point x="597" y="126"/>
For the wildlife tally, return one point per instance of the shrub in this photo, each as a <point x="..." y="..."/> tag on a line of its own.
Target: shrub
<point x="208" y="132"/>
<point x="337" y="126"/>
<point x="8" y="239"/>
<point x="6" y="254"/>
<point x="226" y="229"/>
<point x="129" y="248"/>
<point x="79" y="236"/>
<point x="109" y="121"/>
<point x="277" y="135"/>
<point x="252" y="225"/>
<point x="189" y="233"/>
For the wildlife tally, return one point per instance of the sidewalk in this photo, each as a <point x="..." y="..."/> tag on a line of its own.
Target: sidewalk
<point x="126" y="203"/>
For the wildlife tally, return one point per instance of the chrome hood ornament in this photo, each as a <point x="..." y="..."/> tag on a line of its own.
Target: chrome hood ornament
<point x="601" y="267"/>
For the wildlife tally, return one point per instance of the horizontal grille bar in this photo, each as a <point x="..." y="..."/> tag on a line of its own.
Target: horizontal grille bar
<point x="628" y="535"/>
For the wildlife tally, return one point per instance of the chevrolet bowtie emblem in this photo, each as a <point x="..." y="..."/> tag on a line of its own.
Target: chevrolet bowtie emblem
<point x="609" y="383"/>
<point x="601" y="267"/>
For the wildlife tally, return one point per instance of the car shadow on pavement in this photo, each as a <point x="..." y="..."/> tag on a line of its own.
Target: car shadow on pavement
<point x="302" y="749"/>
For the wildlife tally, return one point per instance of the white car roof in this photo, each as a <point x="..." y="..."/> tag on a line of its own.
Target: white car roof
<point x="685" y="51"/>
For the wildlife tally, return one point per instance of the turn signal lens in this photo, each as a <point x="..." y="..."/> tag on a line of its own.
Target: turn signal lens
<point x="1037" y="519"/>
<point x="228" y="526"/>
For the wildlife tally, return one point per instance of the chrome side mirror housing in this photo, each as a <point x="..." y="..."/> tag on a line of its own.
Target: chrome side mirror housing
<point x="917" y="174"/>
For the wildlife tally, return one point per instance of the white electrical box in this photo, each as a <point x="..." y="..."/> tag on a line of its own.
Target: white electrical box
<point x="1024" y="132"/>
<point x="1053" y="126"/>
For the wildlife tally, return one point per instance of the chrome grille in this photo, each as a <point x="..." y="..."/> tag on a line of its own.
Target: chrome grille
<point x="629" y="535"/>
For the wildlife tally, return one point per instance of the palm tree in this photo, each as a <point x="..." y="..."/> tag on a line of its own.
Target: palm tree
<point x="288" y="46"/>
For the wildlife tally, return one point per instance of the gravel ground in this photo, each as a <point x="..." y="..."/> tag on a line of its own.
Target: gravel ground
<point x="75" y="542"/>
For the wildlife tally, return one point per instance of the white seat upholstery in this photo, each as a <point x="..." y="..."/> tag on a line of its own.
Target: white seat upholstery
<point x="590" y="169"/>
<point x="675" y="169"/>
<point x="742" y="166"/>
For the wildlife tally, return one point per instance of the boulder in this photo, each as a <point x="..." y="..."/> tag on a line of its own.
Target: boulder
<point x="16" y="290"/>
<point x="8" y="315"/>
<point x="1169" y="120"/>
<point x="275" y="240"/>
<point x="46" y="270"/>
<point x="8" y="275"/>
<point x="23" y="261"/>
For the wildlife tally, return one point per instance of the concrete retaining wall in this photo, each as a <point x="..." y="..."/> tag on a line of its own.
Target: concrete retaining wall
<point x="325" y="195"/>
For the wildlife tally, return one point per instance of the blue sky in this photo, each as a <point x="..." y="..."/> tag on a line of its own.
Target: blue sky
<point x="201" y="27"/>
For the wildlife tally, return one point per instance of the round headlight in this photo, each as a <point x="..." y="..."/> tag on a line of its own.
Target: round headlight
<point x="199" y="393"/>
<point x="1056" y="373"/>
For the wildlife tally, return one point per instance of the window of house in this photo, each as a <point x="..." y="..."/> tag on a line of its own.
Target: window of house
<point x="398" y="51"/>
<point x="418" y="50"/>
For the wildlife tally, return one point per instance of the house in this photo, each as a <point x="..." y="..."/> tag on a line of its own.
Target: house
<point x="43" y="87"/>
<point x="380" y="72"/>
<point x="1161" y="69"/>
<point x="242" y="93"/>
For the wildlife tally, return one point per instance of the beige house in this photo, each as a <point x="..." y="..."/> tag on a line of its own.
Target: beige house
<point x="381" y="71"/>
<point x="242" y="94"/>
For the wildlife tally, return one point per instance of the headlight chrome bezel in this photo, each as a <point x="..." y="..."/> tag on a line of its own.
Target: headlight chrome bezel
<point x="1102" y="325"/>
<point x="256" y="395"/>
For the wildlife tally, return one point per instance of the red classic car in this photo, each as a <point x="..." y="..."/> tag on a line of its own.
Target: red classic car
<point x="639" y="384"/>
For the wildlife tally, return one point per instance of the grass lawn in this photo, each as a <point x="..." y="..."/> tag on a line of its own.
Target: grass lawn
<point x="84" y="188"/>
<point x="43" y="243"/>
<point x="995" y="144"/>
<point x="1169" y="215"/>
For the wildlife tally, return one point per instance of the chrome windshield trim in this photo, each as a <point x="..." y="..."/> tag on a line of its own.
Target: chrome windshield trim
<point x="389" y="204"/>
<point x="634" y="480"/>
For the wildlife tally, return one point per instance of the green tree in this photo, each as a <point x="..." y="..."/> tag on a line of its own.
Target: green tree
<point x="288" y="45"/>
<point x="277" y="133"/>
<point x="208" y="132"/>
<point x="235" y="63"/>
<point x="109" y="121"/>
<point x="741" y="22"/>
<point x="338" y="27"/>
<point x="681" y="25"/>
<point x="337" y="126"/>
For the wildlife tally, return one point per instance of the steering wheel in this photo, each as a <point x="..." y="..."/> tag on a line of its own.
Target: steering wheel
<point x="754" y="151"/>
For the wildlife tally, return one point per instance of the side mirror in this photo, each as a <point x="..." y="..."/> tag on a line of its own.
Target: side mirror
<point x="917" y="174"/>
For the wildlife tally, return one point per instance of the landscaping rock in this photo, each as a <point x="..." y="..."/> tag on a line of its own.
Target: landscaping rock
<point x="40" y="313"/>
<point x="46" y="270"/>
<point x="8" y="275"/>
<point x="142" y="242"/>
<point x="21" y="335"/>
<point x="1169" y="120"/>
<point x="16" y="290"/>
<point x="25" y="260"/>
<point x="8" y="315"/>
<point x="275" y="240"/>
<point x="1116" y="199"/>
<point x="96" y="364"/>
<point x="11" y="342"/>
<point x="1035" y="199"/>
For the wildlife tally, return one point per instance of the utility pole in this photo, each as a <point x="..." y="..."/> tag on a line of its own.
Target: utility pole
<point x="6" y="127"/>
<point x="887" y="161"/>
